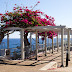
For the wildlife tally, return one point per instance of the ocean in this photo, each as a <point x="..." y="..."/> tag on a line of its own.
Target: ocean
<point x="13" y="43"/>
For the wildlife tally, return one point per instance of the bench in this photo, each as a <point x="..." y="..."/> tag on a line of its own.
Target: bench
<point x="49" y="66"/>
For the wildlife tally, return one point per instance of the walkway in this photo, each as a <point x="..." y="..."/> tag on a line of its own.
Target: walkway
<point x="34" y="66"/>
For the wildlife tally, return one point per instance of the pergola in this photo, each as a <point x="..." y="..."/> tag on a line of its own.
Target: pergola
<point x="60" y="30"/>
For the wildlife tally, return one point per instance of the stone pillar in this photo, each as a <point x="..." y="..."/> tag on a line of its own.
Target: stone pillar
<point x="45" y="44"/>
<point x="62" y="48"/>
<point x="8" y="41"/>
<point x="22" y="45"/>
<point x="57" y="43"/>
<point x="52" y="44"/>
<point x="69" y="44"/>
<point x="36" y="45"/>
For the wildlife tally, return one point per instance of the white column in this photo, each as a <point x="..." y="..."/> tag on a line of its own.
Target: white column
<point x="22" y="44"/>
<point x="71" y="39"/>
<point x="38" y="39"/>
<point x="30" y="39"/>
<point x="8" y="41"/>
<point x="57" y="43"/>
<point x="62" y="48"/>
<point x="52" y="44"/>
<point x="65" y="42"/>
<point x="0" y="21"/>
<point x="45" y="44"/>
<point x="69" y="44"/>
<point x="48" y="44"/>
<point x="36" y="45"/>
<point x="59" y="39"/>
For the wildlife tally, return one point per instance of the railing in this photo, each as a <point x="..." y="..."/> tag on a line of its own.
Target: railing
<point x="2" y="45"/>
<point x="17" y="51"/>
<point x="41" y="46"/>
<point x="14" y="53"/>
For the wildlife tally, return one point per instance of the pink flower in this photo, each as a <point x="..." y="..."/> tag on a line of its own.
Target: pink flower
<point x="11" y="12"/>
<point x="47" y="17"/>
<point x="16" y="12"/>
<point x="6" y="22"/>
<point x="31" y="13"/>
<point x="36" y="25"/>
<point x="38" y="1"/>
<point x="14" y="8"/>
<point x="42" y="13"/>
<point x="15" y="20"/>
<point x="56" y="34"/>
<point x="26" y="31"/>
<point x="26" y="10"/>
<point x="42" y="38"/>
<point x="21" y="14"/>
<point x="1" y="14"/>
<point x="30" y="23"/>
<point x="27" y="14"/>
<point x="53" y="24"/>
<point x="25" y="20"/>
<point x="49" y="22"/>
<point x="10" y="22"/>
<point x="20" y="8"/>
<point x="26" y="7"/>
<point x="23" y="7"/>
<point x="6" y="13"/>
<point x="6" y="26"/>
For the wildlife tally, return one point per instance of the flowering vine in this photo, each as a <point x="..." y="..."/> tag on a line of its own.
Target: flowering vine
<point x="23" y="17"/>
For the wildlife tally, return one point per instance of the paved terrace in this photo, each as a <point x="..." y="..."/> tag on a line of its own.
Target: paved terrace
<point x="34" y="65"/>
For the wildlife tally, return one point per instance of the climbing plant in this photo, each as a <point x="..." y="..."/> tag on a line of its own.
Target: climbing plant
<point x="24" y="17"/>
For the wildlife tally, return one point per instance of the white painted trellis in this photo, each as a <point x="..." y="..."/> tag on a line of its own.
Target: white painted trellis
<point x="61" y="30"/>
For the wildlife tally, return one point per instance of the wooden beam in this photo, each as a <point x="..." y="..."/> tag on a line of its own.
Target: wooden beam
<point x="45" y="27"/>
<point x="12" y="28"/>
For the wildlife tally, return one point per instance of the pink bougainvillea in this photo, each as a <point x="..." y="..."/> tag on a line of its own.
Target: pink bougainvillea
<point x="24" y="17"/>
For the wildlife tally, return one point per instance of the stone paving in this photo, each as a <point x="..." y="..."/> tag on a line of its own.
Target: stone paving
<point x="34" y="66"/>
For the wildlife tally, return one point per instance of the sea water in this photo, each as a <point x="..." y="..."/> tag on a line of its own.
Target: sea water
<point x="13" y="43"/>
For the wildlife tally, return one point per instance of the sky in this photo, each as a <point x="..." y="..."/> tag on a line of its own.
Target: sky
<point x="61" y="10"/>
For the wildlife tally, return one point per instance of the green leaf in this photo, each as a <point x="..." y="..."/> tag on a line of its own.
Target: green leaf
<point x="32" y="22"/>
